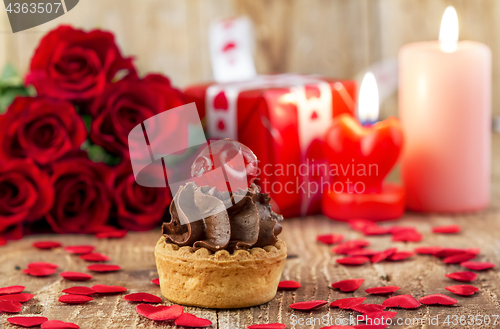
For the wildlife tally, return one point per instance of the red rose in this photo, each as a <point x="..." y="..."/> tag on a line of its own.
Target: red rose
<point x="75" y="65"/>
<point x="125" y="104"/>
<point x="138" y="208"/>
<point x="40" y="128"/>
<point x="26" y="193"/>
<point x="82" y="194"/>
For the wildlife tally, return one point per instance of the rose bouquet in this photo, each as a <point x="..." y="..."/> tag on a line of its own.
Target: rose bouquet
<point x="64" y="163"/>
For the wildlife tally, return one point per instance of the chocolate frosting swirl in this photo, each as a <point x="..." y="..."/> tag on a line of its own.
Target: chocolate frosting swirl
<point x="230" y="221"/>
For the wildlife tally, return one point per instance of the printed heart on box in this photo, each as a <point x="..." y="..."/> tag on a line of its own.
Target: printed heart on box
<point x="220" y="101"/>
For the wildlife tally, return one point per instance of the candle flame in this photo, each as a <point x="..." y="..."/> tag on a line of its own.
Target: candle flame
<point x="448" y="34"/>
<point x="368" y="99"/>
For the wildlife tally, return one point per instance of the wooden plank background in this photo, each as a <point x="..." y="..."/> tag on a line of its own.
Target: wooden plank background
<point x="337" y="38"/>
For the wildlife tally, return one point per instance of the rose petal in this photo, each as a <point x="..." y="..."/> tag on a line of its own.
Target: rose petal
<point x="267" y="326"/>
<point x="79" y="290"/>
<point x="402" y="301"/>
<point x="10" y="306"/>
<point x="156" y="281"/>
<point x="42" y="264"/>
<point x="94" y="257"/>
<point x="375" y="230"/>
<point x="76" y="276"/>
<point x="330" y="238"/>
<point x="105" y="289"/>
<point x="385" y="290"/>
<point x="447" y="229"/>
<point x="78" y="250"/>
<point x="103" y="268"/>
<point x="383" y="255"/>
<point x="348" y="303"/>
<point x="40" y="271"/>
<point x="75" y="299"/>
<point x="378" y="317"/>
<point x="160" y="313"/>
<point x="459" y="258"/>
<point x="348" y="285"/>
<point x="46" y="244"/>
<point x="360" y="224"/>
<point x="288" y="285"/>
<point x="477" y="266"/>
<point x="398" y="229"/>
<point x="439" y="299"/>
<point x="117" y="234"/>
<point x="401" y="255"/>
<point x="407" y="236"/>
<point x="27" y="321"/>
<point x="447" y="252"/>
<point x="345" y="247"/>
<point x="464" y="276"/>
<point x="190" y="320"/>
<point x="462" y="289"/>
<point x="427" y="250"/>
<point x="368" y="308"/>
<point x="22" y="298"/>
<point x="11" y="290"/>
<point x="142" y="297"/>
<point x="353" y="261"/>
<point x="309" y="305"/>
<point x="362" y="252"/>
<point x="56" y="324"/>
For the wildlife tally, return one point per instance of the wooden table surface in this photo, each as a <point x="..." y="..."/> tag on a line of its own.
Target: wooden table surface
<point x="314" y="267"/>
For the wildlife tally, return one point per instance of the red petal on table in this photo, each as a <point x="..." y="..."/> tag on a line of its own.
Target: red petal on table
<point x="3" y="241"/>
<point x="267" y="326"/>
<point x="399" y="229"/>
<point x="23" y="297"/>
<point x="78" y="250"/>
<point x="156" y="281"/>
<point x="459" y="258"/>
<point x="375" y="230"/>
<point x="46" y="244"/>
<point x="142" y="297"/>
<point x="401" y="255"/>
<point x="27" y="321"/>
<point x="462" y="289"/>
<point x="116" y="234"/>
<point x="309" y="305"/>
<point x="385" y="290"/>
<point x="407" y="236"/>
<point x="79" y="290"/>
<point x="330" y="238"/>
<point x="348" y="285"/>
<point x="42" y="264"/>
<point x="428" y="250"/>
<point x="289" y="285"/>
<point x="160" y="313"/>
<point x="56" y="324"/>
<point x="378" y="317"/>
<point x="447" y="229"/>
<point x="75" y="299"/>
<point x="360" y="224"/>
<point x="348" y="303"/>
<point x="103" y="268"/>
<point x="464" y="276"/>
<point x="105" y="289"/>
<point x="477" y="266"/>
<point x="383" y="255"/>
<point x="403" y="301"/>
<point x="11" y="290"/>
<point x="362" y="252"/>
<point x="40" y="271"/>
<point x="94" y="257"/>
<point x="192" y="321"/>
<point x="10" y="306"/>
<point x="350" y="245"/>
<point x="438" y="299"/>
<point x="447" y="252"/>
<point x="76" y="276"/>
<point x="368" y="308"/>
<point x="353" y="261"/>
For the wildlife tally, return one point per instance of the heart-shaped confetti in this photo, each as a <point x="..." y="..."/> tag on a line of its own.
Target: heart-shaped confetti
<point x="27" y="321"/>
<point x="353" y="260"/>
<point x="447" y="252"/>
<point x="359" y="224"/>
<point x="330" y="238"/>
<point x="56" y="324"/>
<point x="383" y="255"/>
<point x="385" y="290"/>
<point x="288" y="285"/>
<point x="40" y="271"/>
<point x="345" y="247"/>
<point x="156" y="281"/>
<point x="362" y="252"/>
<point x="398" y="229"/>
<point x="464" y="276"/>
<point x="400" y="255"/>
<point x="46" y="244"/>
<point x="75" y="299"/>
<point x="430" y="250"/>
<point x="76" y="276"/>
<point x="11" y="290"/>
<point x="103" y="268"/>
<point x="267" y="326"/>
<point x="108" y="290"/>
<point x="462" y="289"/>
<point x="368" y="308"/>
<point x="438" y="299"/>
<point x="42" y="264"/>
<point x="114" y="234"/>
<point x="459" y="258"/>
<point x="94" y="257"/>
<point x="192" y="321"/>
<point x="22" y="297"/>
<point x="79" y="290"/>
<point x="348" y="303"/>
<point x="407" y="236"/>
<point x="309" y="305"/>
<point x="79" y="250"/>
<point x="10" y="306"/>
<point x="402" y="301"/>
<point x="348" y="285"/>
<point x="142" y="297"/>
<point x="375" y="230"/>
<point x="447" y="229"/>
<point x="477" y="266"/>
<point x="159" y="313"/>
<point x="378" y="317"/>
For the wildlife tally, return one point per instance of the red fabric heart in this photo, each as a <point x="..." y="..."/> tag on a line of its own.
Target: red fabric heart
<point x="428" y="250"/>
<point x="78" y="250"/>
<point x="459" y="258"/>
<point x="383" y="255"/>
<point x="402" y="301"/>
<point x="359" y="224"/>
<point x="75" y="276"/>
<point x="142" y="297"/>
<point x="348" y="303"/>
<point x="407" y="236"/>
<point x="79" y="290"/>
<point x="22" y="297"/>
<point x="348" y="285"/>
<point x="288" y="285"/>
<point x="477" y="266"/>
<point x="464" y="276"/>
<point x="309" y="305"/>
<point x="42" y="264"/>
<point x="114" y="234"/>
<point x="105" y="289"/>
<point x="401" y="255"/>
<point x="220" y="101"/>
<point x="40" y="271"/>
<point x="330" y="238"/>
<point x="439" y="299"/>
<point x="46" y="244"/>
<point x="267" y="326"/>
<point x="10" y="306"/>
<point x="447" y="229"/>
<point x="156" y="281"/>
<point x="363" y="252"/>
<point x="192" y="321"/>
<point x="56" y="324"/>
<point x="27" y="321"/>
<point x="376" y="230"/>
<point x="11" y="290"/>
<point x="462" y="289"/>
<point x="103" y="268"/>
<point x="368" y="308"/>
<point x="350" y="245"/>
<point x="75" y="299"/>
<point x="160" y="313"/>
<point x="385" y="290"/>
<point x="94" y="257"/>
<point x="353" y="261"/>
<point x="378" y="317"/>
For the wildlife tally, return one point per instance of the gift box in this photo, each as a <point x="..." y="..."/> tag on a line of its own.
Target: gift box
<point x="283" y="119"/>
